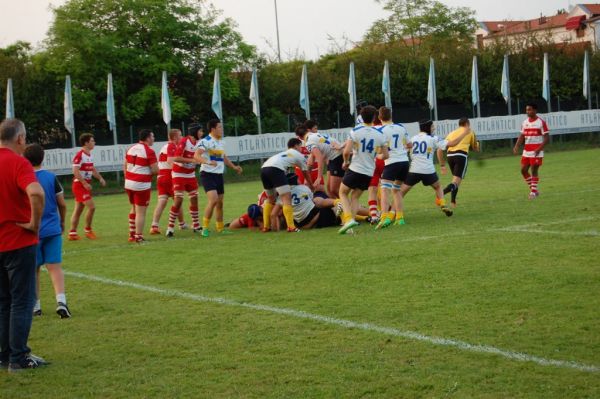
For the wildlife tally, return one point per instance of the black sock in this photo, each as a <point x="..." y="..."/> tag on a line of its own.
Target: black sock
<point x="454" y="193"/>
<point x="450" y="187"/>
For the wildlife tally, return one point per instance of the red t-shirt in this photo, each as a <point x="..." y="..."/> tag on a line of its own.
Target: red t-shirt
<point x="17" y="174"/>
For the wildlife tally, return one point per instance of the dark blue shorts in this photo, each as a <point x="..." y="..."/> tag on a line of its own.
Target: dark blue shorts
<point x="212" y="182"/>
<point x="49" y="250"/>
<point x="356" y="181"/>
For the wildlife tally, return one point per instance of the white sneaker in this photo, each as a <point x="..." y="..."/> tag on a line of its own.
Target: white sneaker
<point x="184" y="226"/>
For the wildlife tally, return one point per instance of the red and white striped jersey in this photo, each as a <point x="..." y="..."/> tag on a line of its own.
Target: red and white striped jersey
<point x="533" y="130"/>
<point x="167" y="151"/>
<point x="186" y="148"/>
<point x="85" y="163"/>
<point x="138" y="176"/>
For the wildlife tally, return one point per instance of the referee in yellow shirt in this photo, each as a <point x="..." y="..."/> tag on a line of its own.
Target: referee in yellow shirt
<point x="458" y="156"/>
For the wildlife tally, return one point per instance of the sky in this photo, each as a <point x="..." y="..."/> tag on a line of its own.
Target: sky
<point x="304" y="25"/>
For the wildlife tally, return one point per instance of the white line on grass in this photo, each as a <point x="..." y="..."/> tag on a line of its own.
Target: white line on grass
<point x="591" y="233"/>
<point x="462" y="345"/>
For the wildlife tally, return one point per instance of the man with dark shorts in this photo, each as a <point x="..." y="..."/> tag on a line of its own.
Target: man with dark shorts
<point x="22" y="200"/>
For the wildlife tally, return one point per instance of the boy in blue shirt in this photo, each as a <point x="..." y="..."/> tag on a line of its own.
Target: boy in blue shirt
<point x="49" y="251"/>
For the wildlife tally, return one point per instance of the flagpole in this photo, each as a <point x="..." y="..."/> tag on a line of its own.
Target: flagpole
<point x="475" y="86"/>
<point x="547" y="93"/>
<point x="587" y="87"/>
<point x="10" y="102"/>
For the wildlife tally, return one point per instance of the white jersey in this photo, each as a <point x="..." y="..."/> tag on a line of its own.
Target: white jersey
<point x="422" y="152"/>
<point x="366" y="142"/>
<point x="396" y="137"/>
<point x="302" y="202"/>
<point x="287" y="159"/>
<point x="325" y="144"/>
<point x="214" y="150"/>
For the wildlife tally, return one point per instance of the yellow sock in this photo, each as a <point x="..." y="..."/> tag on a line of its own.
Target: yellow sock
<point x="205" y="222"/>
<point x="336" y="202"/>
<point x="220" y="226"/>
<point x="360" y="218"/>
<point x="267" y="215"/>
<point x="288" y="213"/>
<point x="399" y="215"/>
<point x="440" y="202"/>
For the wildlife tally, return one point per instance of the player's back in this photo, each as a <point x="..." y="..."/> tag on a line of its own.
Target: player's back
<point x="140" y="158"/>
<point x="366" y="142"/>
<point x="396" y="137"/>
<point x="422" y="152"/>
<point x="328" y="146"/>
<point x="285" y="160"/>
<point x="465" y="144"/>
<point x="186" y="149"/>
<point x="302" y="201"/>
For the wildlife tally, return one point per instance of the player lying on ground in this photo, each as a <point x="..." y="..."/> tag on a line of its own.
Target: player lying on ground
<point x="253" y="216"/>
<point x="421" y="168"/>
<point x="363" y="144"/>
<point x="458" y="157"/>
<point x="536" y="135"/>
<point x="83" y="171"/>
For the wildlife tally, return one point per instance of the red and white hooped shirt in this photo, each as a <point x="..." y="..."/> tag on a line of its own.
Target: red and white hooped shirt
<point x="84" y="162"/>
<point x="138" y="176"/>
<point x="186" y="149"/>
<point x="533" y="130"/>
<point x="167" y="151"/>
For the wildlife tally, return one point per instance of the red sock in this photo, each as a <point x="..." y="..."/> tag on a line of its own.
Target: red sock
<point x="534" y="184"/>
<point x="527" y="178"/>
<point x="373" y="208"/>
<point x="131" y="224"/>
<point x="172" y="216"/>
<point x="195" y="218"/>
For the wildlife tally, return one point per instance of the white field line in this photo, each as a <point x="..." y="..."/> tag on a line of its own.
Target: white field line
<point x="412" y="335"/>
<point x="591" y="233"/>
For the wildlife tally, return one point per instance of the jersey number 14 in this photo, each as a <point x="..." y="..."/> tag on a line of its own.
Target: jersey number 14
<point x="368" y="146"/>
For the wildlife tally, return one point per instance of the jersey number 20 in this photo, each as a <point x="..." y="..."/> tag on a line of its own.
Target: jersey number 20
<point x="420" y="148"/>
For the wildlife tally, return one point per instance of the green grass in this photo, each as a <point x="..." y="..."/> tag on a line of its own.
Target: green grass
<point x="503" y="271"/>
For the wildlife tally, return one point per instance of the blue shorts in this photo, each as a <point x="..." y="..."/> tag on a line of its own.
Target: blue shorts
<point x="49" y="250"/>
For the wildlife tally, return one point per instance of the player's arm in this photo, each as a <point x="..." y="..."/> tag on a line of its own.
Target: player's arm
<point x="379" y="154"/>
<point x="60" y="203"/>
<point x="442" y="160"/>
<point x="318" y="155"/>
<point x="35" y="193"/>
<point x="98" y="177"/>
<point x="198" y="158"/>
<point x="384" y="152"/>
<point x="77" y="175"/>
<point x="541" y="147"/>
<point x="153" y="163"/>
<point x="231" y="165"/>
<point x="458" y="139"/>
<point x="474" y="142"/>
<point x="125" y="165"/>
<point x="179" y="154"/>
<point x="347" y="153"/>
<point x="518" y="144"/>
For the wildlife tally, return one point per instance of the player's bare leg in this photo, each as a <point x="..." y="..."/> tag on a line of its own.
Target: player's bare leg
<point x="452" y="188"/>
<point x="213" y="199"/>
<point x="220" y="225"/>
<point x="439" y="199"/>
<point x="398" y="203"/>
<point x="89" y="217"/>
<point x="386" y="194"/>
<point x="158" y="211"/>
<point x="140" y="221"/>
<point x="77" y="211"/>
<point x="333" y="185"/>
<point x="526" y="176"/>
<point x="348" y="220"/>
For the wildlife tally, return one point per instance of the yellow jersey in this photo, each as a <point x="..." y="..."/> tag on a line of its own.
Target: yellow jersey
<point x="469" y="141"/>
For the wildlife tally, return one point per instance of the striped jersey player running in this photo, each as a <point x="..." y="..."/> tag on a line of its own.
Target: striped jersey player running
<point x="364" y="143"/>
<point x="535" y="135"/>
<point x="422" y="152"/>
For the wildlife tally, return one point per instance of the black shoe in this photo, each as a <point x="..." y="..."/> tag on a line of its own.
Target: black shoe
<point x="447" y="211"/>
<point x="29" y="362"/>
<point x="169" y="234"/>
<point x="198" y="230"/>
<point x="63" y="311"/>
<point x="37" y="312"/>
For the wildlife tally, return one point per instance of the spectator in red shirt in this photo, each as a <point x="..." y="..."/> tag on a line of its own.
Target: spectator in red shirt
<point x="22" y="200"/>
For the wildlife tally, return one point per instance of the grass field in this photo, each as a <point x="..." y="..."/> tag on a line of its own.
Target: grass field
<point x="396" y="314"/>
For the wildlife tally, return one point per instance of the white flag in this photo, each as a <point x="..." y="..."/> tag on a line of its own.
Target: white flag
<point x="254" y="93"/>
<point x="165" y="101"/>
<point x="304" y="98"/>
<point x="69" y="117"/>
<point x="431" y="89"/>
<point x="386" y="86"/>
<point x="475" y="83"/>
<point x="505" y="86"/>
<point x="216" y="104"/>
<point x="546" y="86"/>
<point x="586" y="75"/>
<point x="352" y="89"/>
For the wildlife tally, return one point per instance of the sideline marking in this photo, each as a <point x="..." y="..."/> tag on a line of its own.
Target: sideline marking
<point x="413" y="335"/>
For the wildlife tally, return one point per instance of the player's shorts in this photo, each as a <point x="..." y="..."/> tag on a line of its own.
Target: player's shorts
<point x="314" y="173"/>
<point x="458" y="164"/>
<point x="532" y="161"/>
<point x="49" y="250"/>
<point x="320" y="194"/>
<point x="80" y="193"/>
<point x="273" y="177"/>
<point x="313" y="212"/>
<point x="395" y="171"/>
<point x="212" y="182"/>
<point x="334" y="166"/>
<point x="187" y="184"/>
<point x="426" y="179"/>
<point x="379" y="166"/>
<point x="327" y="218"/>
<point x="357" y="181"/>
<point x="139" y="198"/>
<point x="164" y="185"/>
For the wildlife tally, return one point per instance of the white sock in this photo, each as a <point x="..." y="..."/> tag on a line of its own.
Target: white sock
<point x="61" y="298"/>
<point x="38" y="305"/>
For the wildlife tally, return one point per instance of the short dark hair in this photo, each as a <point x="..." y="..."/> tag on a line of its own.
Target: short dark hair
<point x="532" y="105"/>
<point x="309" y="124"/>
<point x="144" y="134"/>
<point x="293" y="142"/>
<point x="193" y="129"/>
<point x="301" y="130"/>
<point x="34" y="154"/>
<point x="425" y="125"/>
<point x="368" y="113"/>
<point x="85" y="138"/>
<point x="10" y="129"/>
<point x="463" y="121"/>
<point x="212" y="124"/>
<point x="385" y="114"/>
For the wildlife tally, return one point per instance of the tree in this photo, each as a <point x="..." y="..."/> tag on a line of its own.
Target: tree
<point x="415" y="21"/>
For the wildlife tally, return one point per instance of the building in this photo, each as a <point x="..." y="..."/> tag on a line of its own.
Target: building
<point x="579" y="26"/>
